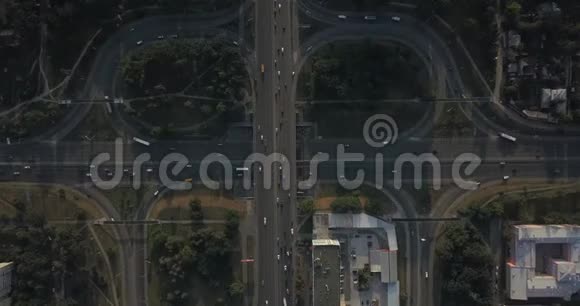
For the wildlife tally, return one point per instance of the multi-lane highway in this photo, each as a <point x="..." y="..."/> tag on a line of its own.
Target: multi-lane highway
<point x="275" y="132"/>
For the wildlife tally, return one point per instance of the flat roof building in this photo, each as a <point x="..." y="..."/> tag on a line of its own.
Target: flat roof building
<point x="545" y="262"/>
<point x="326" y="272"/>
<point x="369" y="243"/>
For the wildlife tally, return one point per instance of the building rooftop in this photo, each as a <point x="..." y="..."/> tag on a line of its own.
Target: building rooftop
<point x="326" y="272"/>
<point x="545" y="261"/>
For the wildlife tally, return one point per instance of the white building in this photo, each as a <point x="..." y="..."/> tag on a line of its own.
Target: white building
<point x="545" y="262"/>
<point x="381" y="261"/>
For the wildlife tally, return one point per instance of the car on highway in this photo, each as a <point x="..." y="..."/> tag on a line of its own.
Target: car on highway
<point x="396" y="18"/>
<point x="282" y="49"/>
<point x="262" y="68"/>
<point x="285" y="268"/>
<point x="309" y="48"/>
<point x="278" y="256"/>
<point x="16" y="173"/>
<point x="161" y="37"/>
<point x="156" y="193"/>
<point x="426" y="275"/>
<point x="291" y="231"/>
<point x="293" y="73"/>
<point x="174" y="36"/>
<point x="265" y="221"/>
<point x="506" y="177"/>
<point x="370" y="17"/>
<point x="139" y="43"/>
<point x="341" y="17"/>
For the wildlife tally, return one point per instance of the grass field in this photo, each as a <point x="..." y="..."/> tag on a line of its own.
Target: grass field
<point x="52" y="201"/>
<point x="214" y="205"/>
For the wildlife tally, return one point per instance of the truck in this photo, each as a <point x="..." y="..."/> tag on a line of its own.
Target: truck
<point x="507" y="137"/>
<point x="141" y="141"/>
<point x="284" y="301"/>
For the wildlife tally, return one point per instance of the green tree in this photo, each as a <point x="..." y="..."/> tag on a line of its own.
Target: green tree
<point x="374" y="208"/>
<point x="232" y="223"/>
<point x="306" y="207"/>
<point x="466" y="264"/>
<point x="346" y="204"/>
<point x="237" y="289"/>
<point x="513" y="9"/>
<point x="196" y="212"/>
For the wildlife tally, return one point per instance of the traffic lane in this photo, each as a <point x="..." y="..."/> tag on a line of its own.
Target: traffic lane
<point x="84" y="152"/>
<point x="287" y="144"/>
<point x="264" y="120"/>
<point x="487" y="171"/>
<point x="485" y="147"/>
<point x="545" y="148"/>
<point x="490" y="168"/>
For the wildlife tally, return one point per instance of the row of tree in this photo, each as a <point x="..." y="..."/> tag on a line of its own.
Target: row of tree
<point x="49" y="262"/>
<point x="204" y="252"/>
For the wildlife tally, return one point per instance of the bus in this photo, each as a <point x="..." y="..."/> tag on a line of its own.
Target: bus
<point x="507" y="137"/>
<point x="141" y="141"/>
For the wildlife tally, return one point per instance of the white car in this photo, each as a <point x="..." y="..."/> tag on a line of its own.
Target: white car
<point x="292" y="231"/>
<point x="282" y="49"/>
<point x="293" y="73"/>
<point x="149" y="170"/>
<point x="426" y="274"/>
<point x="278" y="256"/>
<point x="396" y="18"/>
<point x="506" y="177"/>
<point x="265" y="221"/>
<point x="341" y="17"/>
<point x="285" y="268"/>
<point x="160" y="37"/>
<point x="156" y="193"/>
<point x="139" y="43"/>
<point x="278" y="72"/>
<point x="26" y="167"/>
